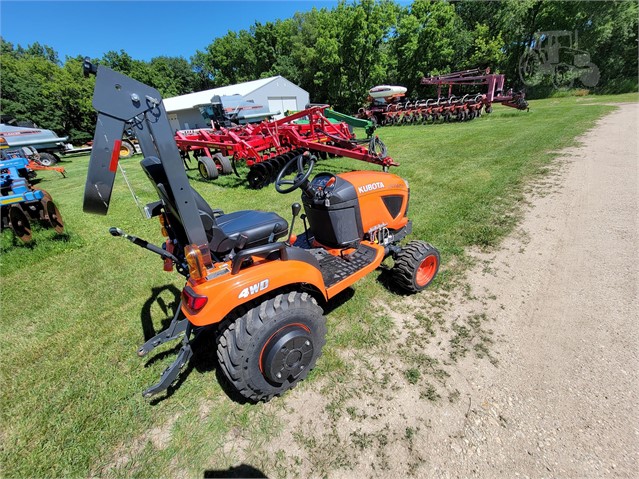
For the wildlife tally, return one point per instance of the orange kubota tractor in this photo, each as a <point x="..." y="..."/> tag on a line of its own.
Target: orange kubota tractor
<point x="245" y="271"/>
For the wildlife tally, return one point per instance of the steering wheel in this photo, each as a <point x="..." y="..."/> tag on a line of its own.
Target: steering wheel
<point x="301" y="175"/>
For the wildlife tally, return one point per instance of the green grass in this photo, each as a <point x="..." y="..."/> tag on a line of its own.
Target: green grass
<point x="622" y="98"/>
<point x="71" y="306"/>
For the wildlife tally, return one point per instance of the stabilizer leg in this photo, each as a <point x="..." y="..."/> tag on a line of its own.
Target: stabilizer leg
<point x="174" y="331"/>
<point x="171" y="373"/>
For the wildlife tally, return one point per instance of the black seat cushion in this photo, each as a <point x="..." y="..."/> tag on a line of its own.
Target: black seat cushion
<point x="256" y="225"/>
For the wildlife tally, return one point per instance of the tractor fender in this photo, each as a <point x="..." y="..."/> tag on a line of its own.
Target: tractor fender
<point x="227" y="291"/>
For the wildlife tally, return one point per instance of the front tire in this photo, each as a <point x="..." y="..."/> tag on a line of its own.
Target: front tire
<point x="415" y="266"/>
<point x="272" y="347"/>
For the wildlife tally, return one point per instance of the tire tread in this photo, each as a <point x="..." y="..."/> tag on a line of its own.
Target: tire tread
<point x="235" y="340"/>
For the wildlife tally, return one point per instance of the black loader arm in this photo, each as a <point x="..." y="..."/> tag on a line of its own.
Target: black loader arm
<point x="103" y="164"/>
<point x="122" y="101"/>
<point x="117" y="99"/>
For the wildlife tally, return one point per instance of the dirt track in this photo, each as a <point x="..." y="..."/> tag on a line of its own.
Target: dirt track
<point x="564" y="400"/>
<point x="555" y="311"/>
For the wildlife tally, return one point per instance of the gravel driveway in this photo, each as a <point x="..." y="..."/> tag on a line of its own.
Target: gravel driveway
<point x="555" y="315"/>
<point x="564" y="401"/>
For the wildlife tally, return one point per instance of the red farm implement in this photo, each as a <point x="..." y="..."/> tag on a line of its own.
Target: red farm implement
<point x="494" y="87"/>
<point x="390" y="107"/>
<point x="266" y="147"/>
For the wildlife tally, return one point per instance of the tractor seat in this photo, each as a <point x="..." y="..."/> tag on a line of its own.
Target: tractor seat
<point x="222" y="230"/>
<point x="257" y="226"/>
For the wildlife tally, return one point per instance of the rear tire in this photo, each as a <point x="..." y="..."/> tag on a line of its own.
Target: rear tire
<point x="415" y="266"/>
<point x="272" y="347"/>
<point x="47" y="159"/>
<point x="224" y="163"/>
<point x="207" y="168"/>
<point x="127" y="150"/>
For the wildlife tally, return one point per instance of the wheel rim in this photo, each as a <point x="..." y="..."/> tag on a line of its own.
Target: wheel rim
<point x="203" y="172"/>
<point x="426" y="270"/>
<point x="124" y="151"/>
<point x="287" y="353"/>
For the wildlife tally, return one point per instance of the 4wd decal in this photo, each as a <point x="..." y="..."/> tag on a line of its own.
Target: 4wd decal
<point x="253" y="289"/>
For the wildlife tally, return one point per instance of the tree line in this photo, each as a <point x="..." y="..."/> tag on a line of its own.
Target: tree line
<point x="338" y="54"/>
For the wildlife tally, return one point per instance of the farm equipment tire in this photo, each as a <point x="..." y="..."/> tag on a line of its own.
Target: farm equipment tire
<point x="273" y="346"/>
<point x="47" y="159"/>
<point x="415" y="266"/>
<point x="530" y="68"/>
<point x="590" y="76"/>
<point x="563" y="76"/>
<point x="207" y="168"/>
<point x="224" y="163"/>
<point x="127" y="150"/>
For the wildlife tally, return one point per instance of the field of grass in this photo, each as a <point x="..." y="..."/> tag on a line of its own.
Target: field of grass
<point x="73" y="308"/>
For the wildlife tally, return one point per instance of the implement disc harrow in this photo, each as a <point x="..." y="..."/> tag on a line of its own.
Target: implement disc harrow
<point x="21" y="203"/>
<point x="19" y="223"/>
<point x="53" y="216"/>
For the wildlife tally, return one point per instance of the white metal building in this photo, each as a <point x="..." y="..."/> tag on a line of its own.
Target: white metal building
<point x="275" y="93"/>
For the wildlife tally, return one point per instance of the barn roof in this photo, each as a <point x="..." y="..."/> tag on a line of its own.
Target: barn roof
<point x="190" y="100"/>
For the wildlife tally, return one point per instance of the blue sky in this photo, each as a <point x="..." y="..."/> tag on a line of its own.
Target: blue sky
<point x="144" y="29"/>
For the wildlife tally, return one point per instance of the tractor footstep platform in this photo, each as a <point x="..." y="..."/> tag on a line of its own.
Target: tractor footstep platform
<point x="335" y="268"/>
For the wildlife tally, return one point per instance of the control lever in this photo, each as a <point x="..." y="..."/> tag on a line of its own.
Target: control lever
<point x="305" y="228"/>
<point x="143" y="244"/>
<point x="295" y="209"/>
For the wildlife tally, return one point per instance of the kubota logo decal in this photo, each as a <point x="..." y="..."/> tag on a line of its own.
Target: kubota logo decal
<point x="370" y="187"/>
<point x="253" y="289"/>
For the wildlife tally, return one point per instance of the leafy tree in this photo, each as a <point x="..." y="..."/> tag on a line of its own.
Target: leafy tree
<point x="172" y="76"/>
<point x="76" y="93"/>
<point x="430" y="39"/>
<point x="338" y="54"/>
<point x="487" y="49"/>
<point x="366" y="30"/>
<point x="317" y="54"/>
<point x="120" y="61"/>
<point x="229" y="59"/>
<point x="28" y="80"/>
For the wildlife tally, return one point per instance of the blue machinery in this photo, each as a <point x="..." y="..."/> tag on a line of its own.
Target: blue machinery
<point x="20" y="202"/>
